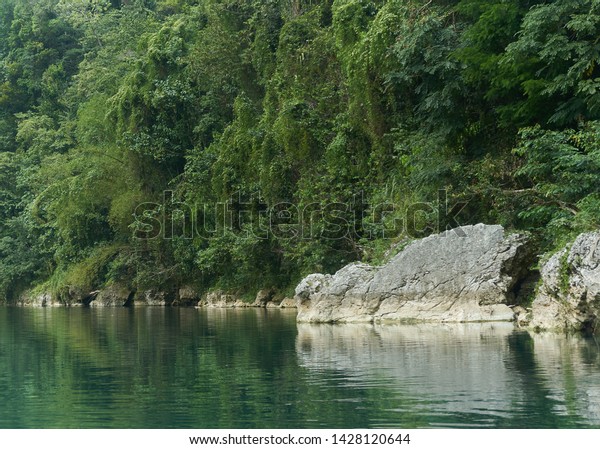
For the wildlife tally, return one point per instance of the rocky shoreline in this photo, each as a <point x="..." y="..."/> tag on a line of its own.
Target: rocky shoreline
<point x="121" y="296"/>
<point x="569" y="295"/>
<point x="470" y="274"/>
<point x="476" y="273"/>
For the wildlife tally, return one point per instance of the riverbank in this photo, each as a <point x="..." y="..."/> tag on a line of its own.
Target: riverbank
<point x="476" y="273"/>
<point x="121" y="296"/>
<point x="469" y="274"/>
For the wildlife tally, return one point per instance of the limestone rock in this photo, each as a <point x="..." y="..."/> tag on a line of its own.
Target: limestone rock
<point x="187" y="296"/>
<point x="263" y="297"/>
<point x="569" y="297"/>
<point x="155" y="298"/>
<point x="38" y="300"/>
<point x="465" y="274"/>
<point x="114" y="295"/>
<point x="288" y="303"/>
<point x="522" y="316"/>
<point x="338" y="298"/>
<point x="312" y="284"/>
<point x="219" y="299"/>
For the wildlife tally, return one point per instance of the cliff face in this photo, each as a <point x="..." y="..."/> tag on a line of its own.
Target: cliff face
<point x="462" y="275"/>
<point x="569" y="297"/>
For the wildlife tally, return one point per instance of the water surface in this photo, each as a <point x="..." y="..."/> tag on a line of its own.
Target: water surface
<point x="186" y="368"/>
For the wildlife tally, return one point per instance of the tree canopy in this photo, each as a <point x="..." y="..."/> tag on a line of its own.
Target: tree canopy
<point x="241" y="144"/>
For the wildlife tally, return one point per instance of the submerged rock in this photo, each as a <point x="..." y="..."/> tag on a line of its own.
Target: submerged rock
<point x="466" y="274"/>
<point x="569" y="297"/>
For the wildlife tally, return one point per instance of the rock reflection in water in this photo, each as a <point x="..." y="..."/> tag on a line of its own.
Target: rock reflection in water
<point x="487" y="375"/>
<point x="570" y="369"/>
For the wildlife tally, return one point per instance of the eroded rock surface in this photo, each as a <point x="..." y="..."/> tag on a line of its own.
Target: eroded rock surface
<point x="38" y="300"/>
<point x="569" y="297"/>
<point x="462" y="275"/>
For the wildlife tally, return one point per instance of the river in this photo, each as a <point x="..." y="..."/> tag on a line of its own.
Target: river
<point x="255" y="368"/>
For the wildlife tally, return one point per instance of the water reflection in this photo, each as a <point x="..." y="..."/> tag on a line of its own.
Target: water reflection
<point x="486" y="375"/>
<point x="144" y="368"/>
<point x="569" y="370"/>
<point x="216" y="368"/>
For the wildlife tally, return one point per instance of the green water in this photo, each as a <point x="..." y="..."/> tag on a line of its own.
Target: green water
<point x="181" y="368"/>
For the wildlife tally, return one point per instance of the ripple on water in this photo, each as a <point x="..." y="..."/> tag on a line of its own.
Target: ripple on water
<point x="159" y="367"/>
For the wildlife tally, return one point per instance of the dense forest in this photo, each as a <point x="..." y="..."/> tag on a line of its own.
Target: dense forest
<point x="241" y="144"/>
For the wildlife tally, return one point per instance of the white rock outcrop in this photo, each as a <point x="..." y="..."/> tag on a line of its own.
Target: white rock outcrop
<point x="467" y="274"/>
<point x="569" y="296"/>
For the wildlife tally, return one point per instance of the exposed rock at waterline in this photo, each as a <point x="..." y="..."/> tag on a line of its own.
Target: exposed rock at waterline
<point x="569" y="297"/>
<point x="118" y="295"/>
<point x="263" y="297"/>
<point x="288" y="303"/>
<point x="465" y="274"/>
<point x="219" y="299"/>
<point x="113" y="295"/>
<point x="266" y="298"/>
<point x="155" y="298"/>
<point x="338" y="298"/>
<point x="187" y="296"/>
<point x="38" y="300"/>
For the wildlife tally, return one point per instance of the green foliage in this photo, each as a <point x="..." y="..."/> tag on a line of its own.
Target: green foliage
<point x="335" y="117"/>
<point x="80" y="278"/>
<point x="562" y="170"/>
<point x="554" y="64"/>
<point x="564" y="271"/>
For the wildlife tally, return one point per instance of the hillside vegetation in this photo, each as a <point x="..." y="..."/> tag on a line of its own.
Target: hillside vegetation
<point x="241" y="144"/>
